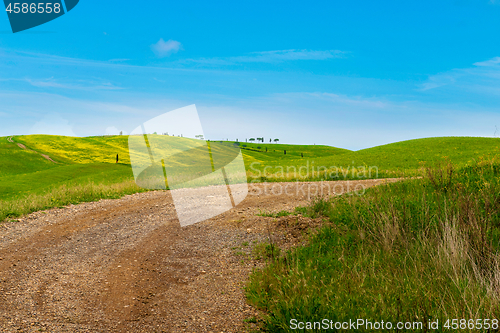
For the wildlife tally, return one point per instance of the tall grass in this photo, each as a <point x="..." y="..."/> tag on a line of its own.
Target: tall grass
<point x="418" y="250"/>
<point x="65" y="195"/>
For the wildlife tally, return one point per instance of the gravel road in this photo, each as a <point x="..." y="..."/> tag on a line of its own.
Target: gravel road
<point x="126" y="265"/>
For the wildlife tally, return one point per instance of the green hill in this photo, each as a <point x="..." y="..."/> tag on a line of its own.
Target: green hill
<point x="81" y="161"/>
<point x="395" y="159"/>
<point x="14" y="160"/>
<point x="407" y="156"/>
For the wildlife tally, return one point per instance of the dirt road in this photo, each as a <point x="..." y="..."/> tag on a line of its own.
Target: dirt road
<point x="127" y="266"/>
<point x="20" y="145"/>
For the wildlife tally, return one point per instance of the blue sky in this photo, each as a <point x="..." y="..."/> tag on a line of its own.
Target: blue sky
<point x="351" y="74"/>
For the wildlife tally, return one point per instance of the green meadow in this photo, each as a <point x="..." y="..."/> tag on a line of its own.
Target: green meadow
<point x="420" y="251"/>
<point x="400" y="159"/>
<point x="91" y="161"/>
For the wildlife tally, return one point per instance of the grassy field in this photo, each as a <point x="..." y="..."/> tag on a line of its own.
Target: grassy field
<point x="91" y="160"/>
<point x="419" y="250"/>
<point x="29" y="182"/>
<point x="405" y="158"/>
<point x="15" y="161"/>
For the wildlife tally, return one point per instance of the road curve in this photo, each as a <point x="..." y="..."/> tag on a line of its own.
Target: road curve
<point x="20" y="145"/>
<point x="126" y="265"/>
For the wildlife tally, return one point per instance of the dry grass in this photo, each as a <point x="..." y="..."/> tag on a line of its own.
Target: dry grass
<point x="418" y="250"/>
<point x="65" y="195"/>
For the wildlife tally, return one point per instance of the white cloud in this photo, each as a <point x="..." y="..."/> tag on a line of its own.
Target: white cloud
<point x="164" y="49"/>
<point x="75" y="85"/>
<point x="483" y="77"/>
<point x="112" y="130"/>
<point x="118" y="60"/>
<point x="272" y="57"/>
<point x="439" y="80"/>
<point x="53" y="124"/>
<point x="285" y="55"/>
<point x="488" y="63"/>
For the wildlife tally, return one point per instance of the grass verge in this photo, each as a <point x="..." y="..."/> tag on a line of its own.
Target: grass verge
<point x="65" y="195"/>
<point x="415" y="251"/>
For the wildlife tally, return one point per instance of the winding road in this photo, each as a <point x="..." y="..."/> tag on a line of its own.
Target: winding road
<point x="47" y="157"/>
<point x="126" y="265"/>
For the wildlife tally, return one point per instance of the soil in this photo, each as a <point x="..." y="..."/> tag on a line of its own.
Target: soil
<point x="126" y="265"/>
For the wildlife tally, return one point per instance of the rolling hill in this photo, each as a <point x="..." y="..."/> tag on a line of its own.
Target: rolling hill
<point x="92" y="160"/>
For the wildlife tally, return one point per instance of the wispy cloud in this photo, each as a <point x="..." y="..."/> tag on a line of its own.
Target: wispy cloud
<point x="488" y="63"/>
<point x="333" y="99"/>
<point x="439" y="80"/>
<point x="164" y="49"/>
<point x="78" y="85"/>
<point x="18" y="57"/>
<point x="276" y="56"/>
<point x="118" y="60"/>
<point x="286" y="55"/>
<point x="483" y="76"/>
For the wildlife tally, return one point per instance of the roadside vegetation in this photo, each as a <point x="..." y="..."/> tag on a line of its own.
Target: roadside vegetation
<point x="418" y="250"/>
<point x="65" y="195"/>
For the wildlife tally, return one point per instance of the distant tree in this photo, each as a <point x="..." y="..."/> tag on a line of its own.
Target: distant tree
<point x="251" y="139"/>
<point x="155" y="133"/>
<point x="276" y="140"/>
<point x="121" y="132"/>
<point x="199" y="136"/>
<point x="269" y="139"/>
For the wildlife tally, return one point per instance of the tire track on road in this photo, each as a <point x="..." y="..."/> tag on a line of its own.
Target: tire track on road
<point x="126" y="265"/>
<point x="47" y="157"/>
